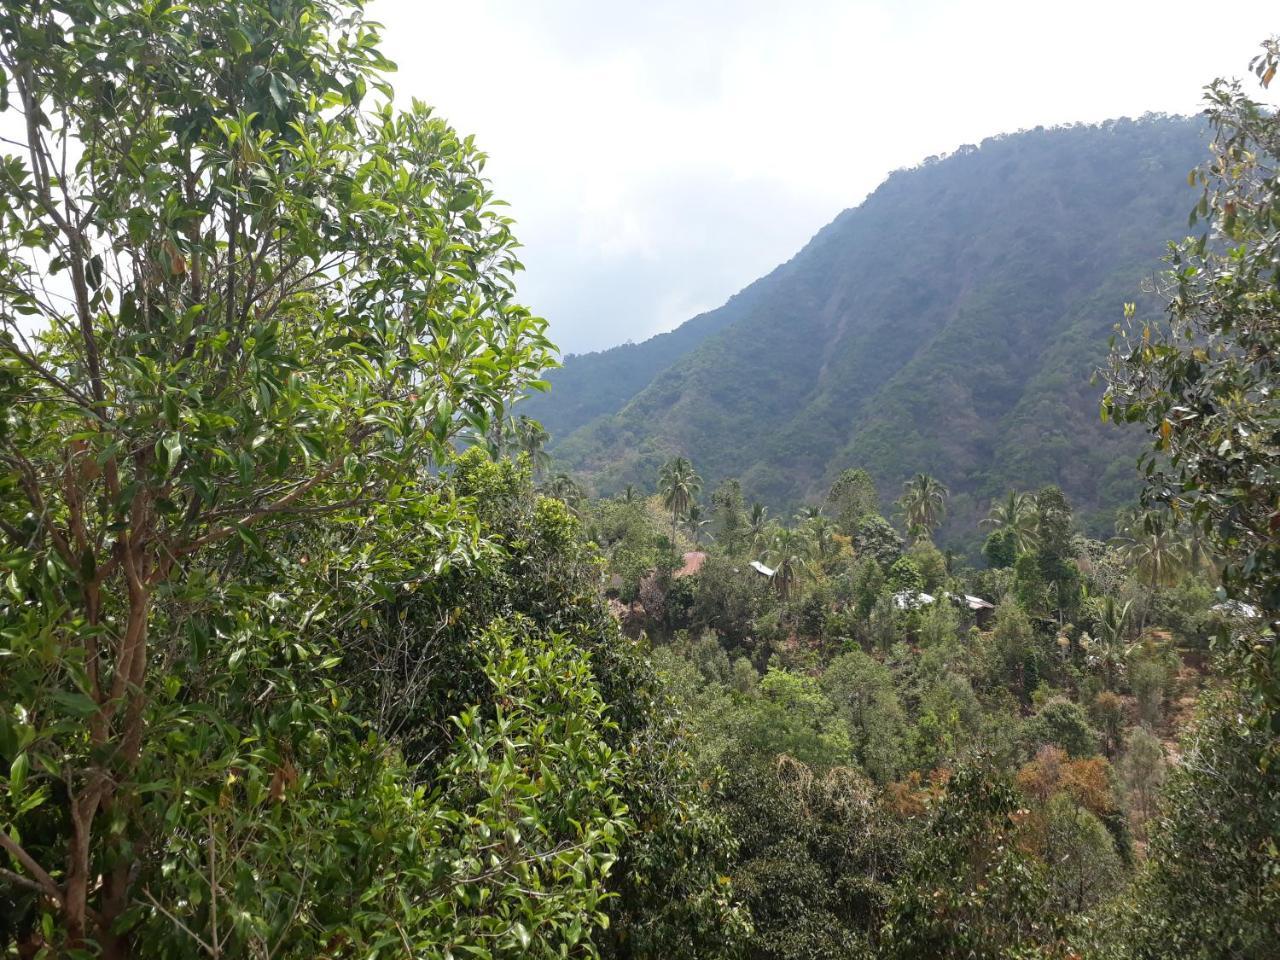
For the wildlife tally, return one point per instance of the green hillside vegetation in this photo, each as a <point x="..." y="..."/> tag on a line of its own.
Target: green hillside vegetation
<point x="305" y="652"/>
<point x="950" y="324"/>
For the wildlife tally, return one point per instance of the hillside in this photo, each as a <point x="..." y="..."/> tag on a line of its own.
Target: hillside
<point x="948" y="324"/>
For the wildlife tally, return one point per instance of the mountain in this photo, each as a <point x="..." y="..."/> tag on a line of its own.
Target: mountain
<point x="948" y="324"/>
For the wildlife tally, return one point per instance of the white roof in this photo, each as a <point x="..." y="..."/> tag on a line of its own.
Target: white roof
<point x="759" y="567"/>
<point x="1237" y="608"/>
<point x="906" y="600"/>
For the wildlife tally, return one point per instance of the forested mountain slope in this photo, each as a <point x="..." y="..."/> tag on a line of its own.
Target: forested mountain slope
<point x="949" y="324"/>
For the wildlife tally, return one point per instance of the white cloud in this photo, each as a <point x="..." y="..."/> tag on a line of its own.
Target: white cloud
<point x="660" y="156"/>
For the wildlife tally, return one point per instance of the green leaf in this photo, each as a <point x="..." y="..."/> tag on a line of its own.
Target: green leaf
<point x="18" y="772"/>
<point x="75" y="703"/>
<point x="276" y="89"/>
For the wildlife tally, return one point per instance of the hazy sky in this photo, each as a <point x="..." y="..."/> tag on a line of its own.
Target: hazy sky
<point x="660" y="155"/>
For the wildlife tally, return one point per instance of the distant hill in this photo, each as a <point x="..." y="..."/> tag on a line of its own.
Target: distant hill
<point x="948" y="324"/>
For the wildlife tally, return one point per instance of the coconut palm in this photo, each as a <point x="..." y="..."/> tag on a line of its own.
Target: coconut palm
<point x="757" y="525"/>
<point x="1016" y="513"/>
<point x="788" y="554"/>
<point x="924" y="504"/>
<point x="679" y="486"/>
<point x="1112" y="629"/>
<point x="630" y="494"/>
<point x="821" y="532"/>
<point x="697" y="524"/>
<point x="564" y="487"/>
<point x="1152" y="548"/>
<point x="531" y="440"/>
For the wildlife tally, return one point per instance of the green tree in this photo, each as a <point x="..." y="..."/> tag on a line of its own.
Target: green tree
<point x="852" y="497"/>
<point x="1017" y="515"/>
<point x="1201" y="378"/>
<point x="697" y="524"/>
<point x="729" y="516"/>
<point x="758" y="525"/>
<point x="678" y="485"/>
<point x="1208" y="888"/>
<point x="531" y="440"/>
<point x="923" y="504"/>
<point x="874" y="537"/>
<point x="278" y="306"/>
<point x="1143" y="770"/>
<point x="1153" y="549"/>
<point x="789" y="554"/>
<point x="967" y="890"/>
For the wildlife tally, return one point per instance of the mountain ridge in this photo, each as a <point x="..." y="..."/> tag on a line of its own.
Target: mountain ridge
<point x="928" y="328"/>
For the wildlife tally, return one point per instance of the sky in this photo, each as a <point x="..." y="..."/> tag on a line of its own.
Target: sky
<point x="659" y="156"/>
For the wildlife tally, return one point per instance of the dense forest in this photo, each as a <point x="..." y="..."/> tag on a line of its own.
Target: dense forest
<point x="308" y="648"/>
<point x="949" y="323"/>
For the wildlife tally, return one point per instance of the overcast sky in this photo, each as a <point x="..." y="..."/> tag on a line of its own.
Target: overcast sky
<point x="661" y="155"/>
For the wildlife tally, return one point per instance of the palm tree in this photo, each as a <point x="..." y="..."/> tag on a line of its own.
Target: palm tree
<point x="531" y="439"/>
<point x="1017" y="513"/>
<point x="788" y="554"/>
<point x="679" y="486"/>
<point x="629" y="494"/>
<point x="1113" y="626"/>
<point x="563" y="487"/>
<point x="696" y="523"/>
<point x="821" y="531"/>
<point x="808" y="512"/>
<point x="757" y="524"/>
<point x="923" y="503"/>
<point x="1152" y="548"/>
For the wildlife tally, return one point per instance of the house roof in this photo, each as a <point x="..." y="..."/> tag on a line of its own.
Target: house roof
<point x="1237" y="608"/>
<point x="693" y="561"/>
<point x="909" y="600"/>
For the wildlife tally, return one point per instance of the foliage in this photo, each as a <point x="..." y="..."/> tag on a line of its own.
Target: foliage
<point x="967" y="890"/>
<point x="282" y="307"/>
<point x="924" y="504"/>
<point x="852" y="497"/>
<point x="1209" y="887"/>
<point x="1201" y="379"/>
<point x="1063" y="723"/>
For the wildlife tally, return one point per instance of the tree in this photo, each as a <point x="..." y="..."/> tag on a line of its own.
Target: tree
<point x="531" y="440"/>
<point x="967" y="890"/>
<point x="852" y="497"/>
<point x="758" y="525"/>
<point x="278" y="307"/>
<point x="678" y="485"/>
<point x="1152" y="548"/>
<point x="821" y="533"/>
<point x="1143" y="770"/>
<point x="564" y="488"/>
<point x="696" y="523"/>
<point x="729" y="516"/>
<point x="1017" y="515"/>
<point x="1202" y="378"/>
<point x="1063" y="723"/>
<point x="1208" y="887"/>
<point x="924" y="504"/>
<point x="1001" y="548"/>
<point x="873" y="537"/>
<point x="788" y="553"/>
